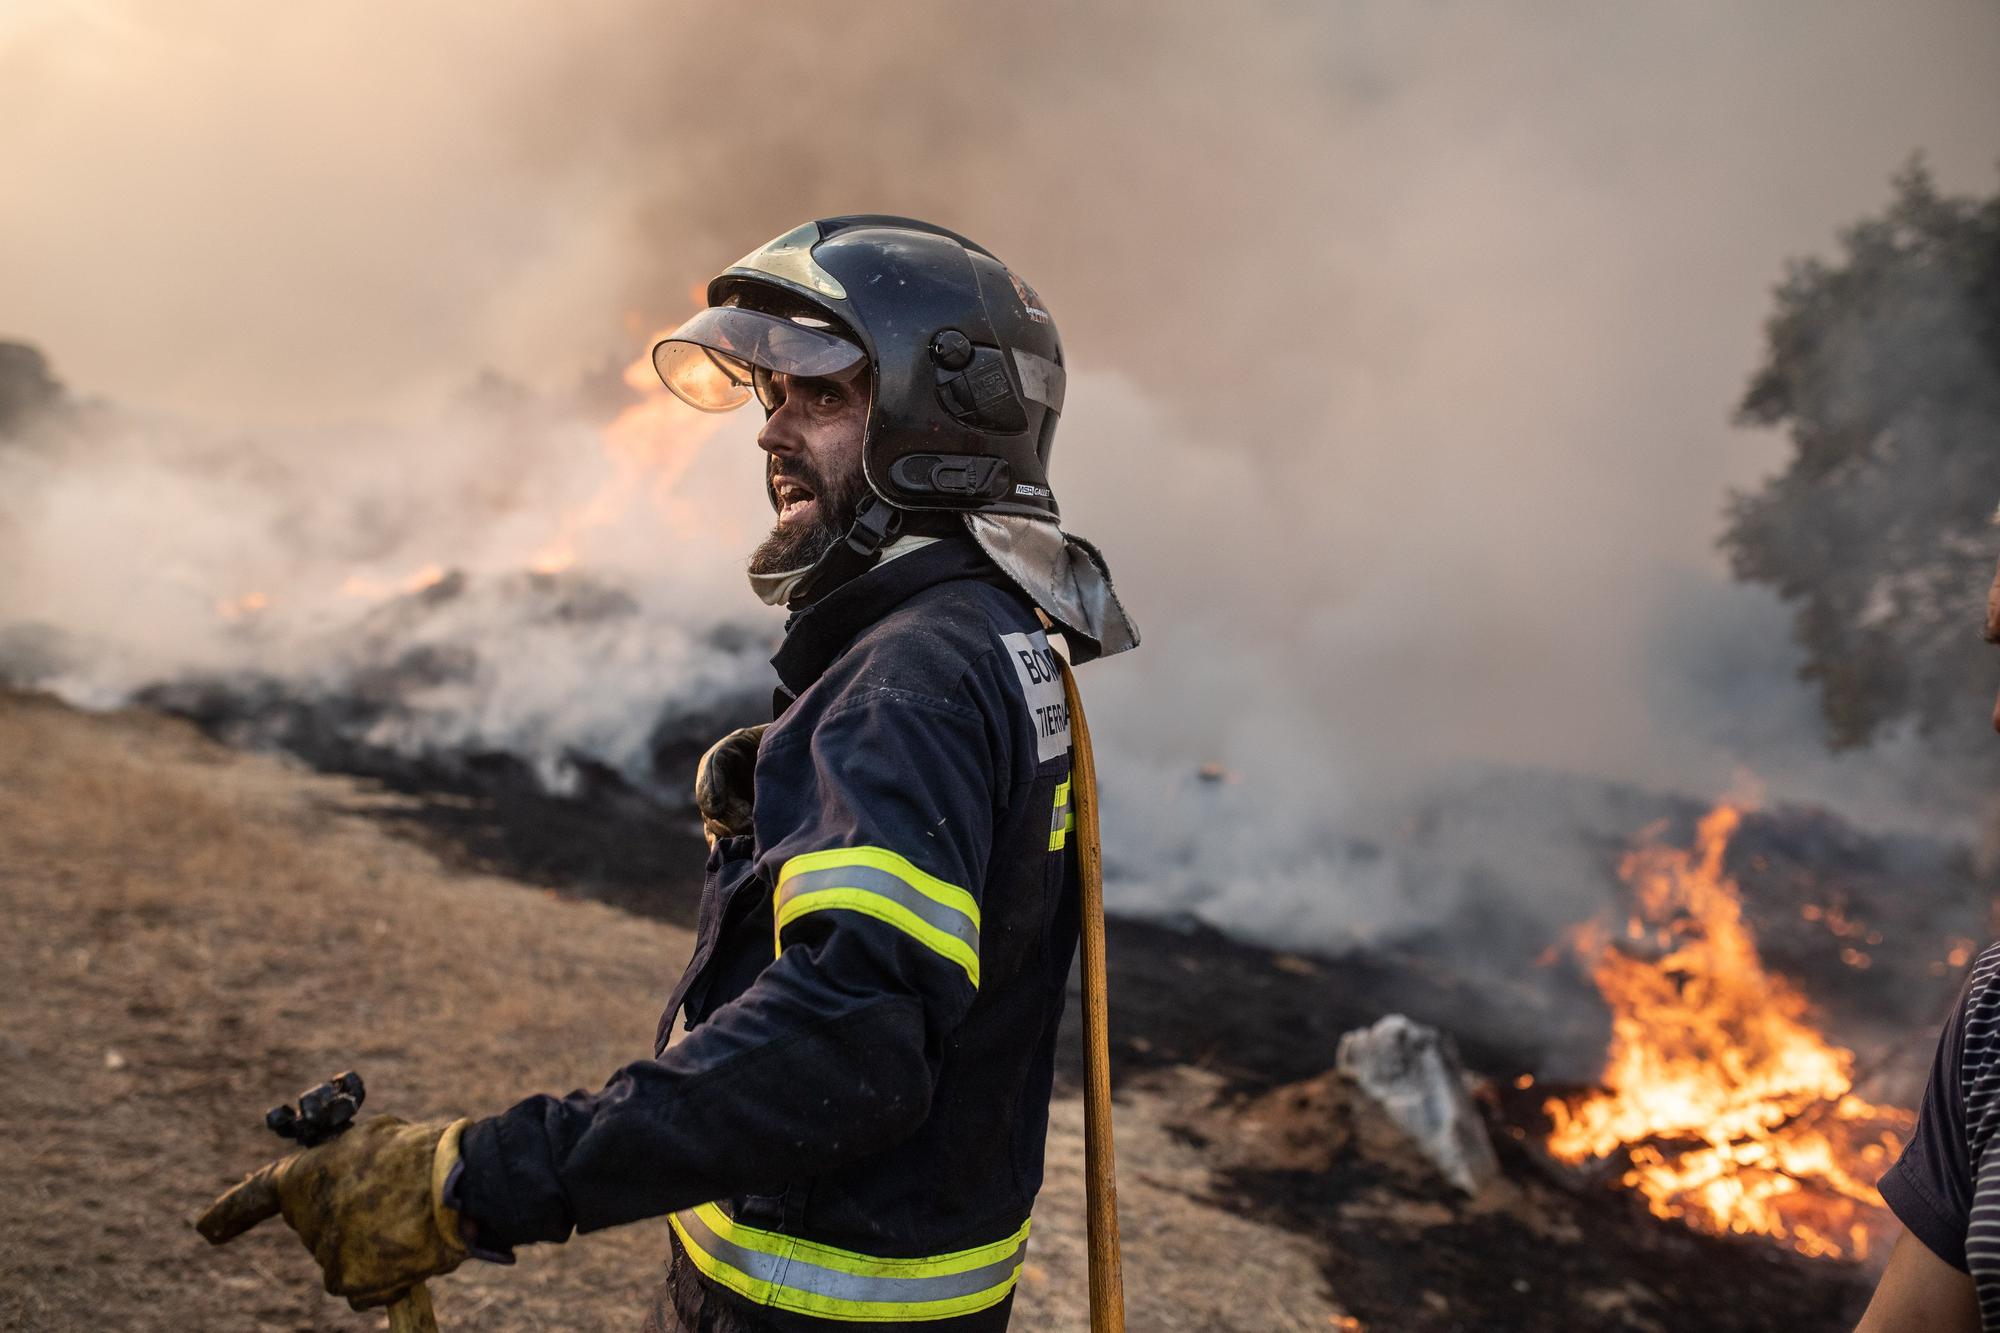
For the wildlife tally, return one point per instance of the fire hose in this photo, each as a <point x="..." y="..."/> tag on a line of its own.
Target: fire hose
<point x="1107" y="1277"/>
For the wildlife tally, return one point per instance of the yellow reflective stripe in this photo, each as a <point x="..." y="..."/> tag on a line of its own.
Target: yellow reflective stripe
<point x="878" y="883"/>
<point x="806" y="1277"/>
<point x="881" y="858"/>
<point x="869" y="903"/>
<point x="781" y="1246"/>
<point x="1063" y="820"/>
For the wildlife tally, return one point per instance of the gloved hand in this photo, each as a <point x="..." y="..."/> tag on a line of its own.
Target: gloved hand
<point x="725" y="783"/>
<point x="369" y="1204"/>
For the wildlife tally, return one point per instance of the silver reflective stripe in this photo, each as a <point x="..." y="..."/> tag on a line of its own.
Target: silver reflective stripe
<point x="800" y="1274"/>
<point x="884" y="885"/>
<point x="791" y="257"/>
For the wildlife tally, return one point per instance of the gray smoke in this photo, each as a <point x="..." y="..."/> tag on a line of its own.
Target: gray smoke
<point x="505" y="575"/>
<point x="1405" y="340"/>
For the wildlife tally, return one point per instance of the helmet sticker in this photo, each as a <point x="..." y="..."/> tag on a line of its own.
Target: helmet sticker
<point x="1041" y="379"/>
<point x="1029" y="301"/>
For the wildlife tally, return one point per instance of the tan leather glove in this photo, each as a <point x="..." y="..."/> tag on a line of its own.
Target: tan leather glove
<point x="368" y="1204"/>
<point x="725" y="783"/>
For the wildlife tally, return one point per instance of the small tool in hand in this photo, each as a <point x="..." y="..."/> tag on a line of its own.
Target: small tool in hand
<point x="322" y="1112"/>
<point x="322" y="1115"/>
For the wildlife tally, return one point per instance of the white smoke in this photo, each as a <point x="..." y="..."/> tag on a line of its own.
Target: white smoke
<point x="147" y="551"/>
<point x="1404" y="341"/>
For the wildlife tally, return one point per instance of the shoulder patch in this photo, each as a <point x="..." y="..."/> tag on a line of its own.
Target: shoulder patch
<point x="1042" y="688"/>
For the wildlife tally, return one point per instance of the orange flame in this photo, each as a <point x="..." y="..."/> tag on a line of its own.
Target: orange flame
<point x="1733" y="1112"/>
<point x="236" y="608"/>
<point x="650" y="445"/>
<point x="355" y="585"/>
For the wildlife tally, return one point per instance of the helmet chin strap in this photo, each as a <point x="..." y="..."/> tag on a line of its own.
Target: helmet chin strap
<point x="876" y="524"/>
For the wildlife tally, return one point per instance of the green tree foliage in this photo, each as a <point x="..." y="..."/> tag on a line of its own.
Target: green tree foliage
<point x="1884" y="368"/>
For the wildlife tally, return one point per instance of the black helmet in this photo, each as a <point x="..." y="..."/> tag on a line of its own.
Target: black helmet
<point x="968" y="371"/>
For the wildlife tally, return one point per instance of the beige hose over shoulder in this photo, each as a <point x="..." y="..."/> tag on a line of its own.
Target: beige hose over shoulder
<point x="1107" y="1279"/>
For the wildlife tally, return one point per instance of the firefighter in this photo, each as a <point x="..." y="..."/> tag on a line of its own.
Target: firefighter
<point x="850" y="1133"/>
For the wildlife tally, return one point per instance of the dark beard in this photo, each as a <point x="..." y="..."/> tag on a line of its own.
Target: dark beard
<point x="797" y="546"/>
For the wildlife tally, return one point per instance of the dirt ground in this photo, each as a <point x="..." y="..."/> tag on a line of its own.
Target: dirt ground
<point x="189" y="935"/>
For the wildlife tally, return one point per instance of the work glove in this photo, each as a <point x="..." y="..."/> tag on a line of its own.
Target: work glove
<point x="369" y="1204"/>
<point x="725" y="783"/>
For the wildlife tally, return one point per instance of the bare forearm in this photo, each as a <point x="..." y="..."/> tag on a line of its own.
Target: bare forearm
<point x="1921" y="1293"/>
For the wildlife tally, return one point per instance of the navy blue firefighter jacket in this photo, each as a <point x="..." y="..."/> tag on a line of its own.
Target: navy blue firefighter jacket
<point x="852" y="1130"/>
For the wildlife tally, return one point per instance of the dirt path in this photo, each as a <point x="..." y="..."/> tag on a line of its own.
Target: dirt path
<point x="189" y="934"/>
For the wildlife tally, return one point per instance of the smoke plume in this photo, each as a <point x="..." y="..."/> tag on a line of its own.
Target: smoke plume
<point x="1404" y="341"/>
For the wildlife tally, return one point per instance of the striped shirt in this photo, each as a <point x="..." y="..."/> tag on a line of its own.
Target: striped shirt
<point x="1946" y="1186"/>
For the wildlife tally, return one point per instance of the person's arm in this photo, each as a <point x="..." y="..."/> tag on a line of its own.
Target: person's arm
<point x="1921" y="1293"/>
<point x="874" y="831"/>
<point x="1926" y="1287"/>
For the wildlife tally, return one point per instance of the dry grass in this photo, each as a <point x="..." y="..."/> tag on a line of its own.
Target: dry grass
<point x="188" y="935"/>
<point x="191" y="935"/>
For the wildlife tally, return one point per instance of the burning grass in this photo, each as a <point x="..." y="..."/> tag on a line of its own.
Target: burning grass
<point x="1729" y="1108"/>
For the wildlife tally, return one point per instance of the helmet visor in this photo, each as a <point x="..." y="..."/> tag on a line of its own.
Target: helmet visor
<point x="708" y="361"/>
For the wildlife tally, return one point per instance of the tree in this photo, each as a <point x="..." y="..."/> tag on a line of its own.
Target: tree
<point x="1885" y="369"/>
<point x="27" y="389"/>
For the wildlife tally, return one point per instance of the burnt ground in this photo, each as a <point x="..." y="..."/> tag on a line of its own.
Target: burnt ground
<point x="1211" y="1033"/>
<point x="193" y="932"/>
<point x="1403" y="1249"/>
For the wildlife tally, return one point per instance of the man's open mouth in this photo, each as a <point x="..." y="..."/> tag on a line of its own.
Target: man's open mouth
<point x="794" y="500"/>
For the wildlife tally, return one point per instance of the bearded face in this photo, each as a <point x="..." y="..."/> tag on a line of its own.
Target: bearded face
<point x="814" y="512"/>
<point x="813" y="439"/>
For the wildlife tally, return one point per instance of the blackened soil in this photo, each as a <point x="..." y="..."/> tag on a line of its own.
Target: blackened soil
<point x="1263" y="1020"/>
<point x="609" y="839"/>
<point x="647" y="860"/>
<point x="1434" y="1265"/>
<point x="1187" y="995"/>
